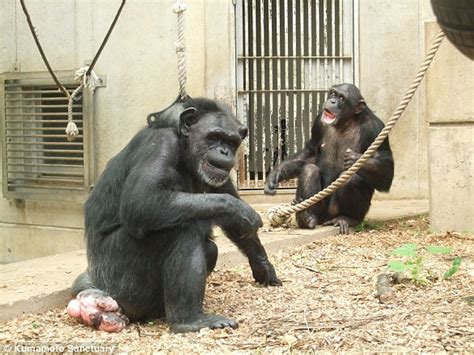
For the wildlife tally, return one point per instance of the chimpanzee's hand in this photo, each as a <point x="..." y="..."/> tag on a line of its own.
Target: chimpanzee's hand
<point x="264" y="273"/>
<point x="350" y="157"/>
<point x="272" y="182"/>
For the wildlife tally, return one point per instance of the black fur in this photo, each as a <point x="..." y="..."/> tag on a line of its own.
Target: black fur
<point x="342" y="131"/>
<point x="149" y="218"/>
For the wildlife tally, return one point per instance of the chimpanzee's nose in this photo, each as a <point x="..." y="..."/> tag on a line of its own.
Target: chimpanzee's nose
<point x="224" y="151"/>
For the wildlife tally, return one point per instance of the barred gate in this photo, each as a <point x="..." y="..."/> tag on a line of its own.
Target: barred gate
<point x="289" y="52"/>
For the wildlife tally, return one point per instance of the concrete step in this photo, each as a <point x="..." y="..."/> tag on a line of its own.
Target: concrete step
<point x="40" y="284"/>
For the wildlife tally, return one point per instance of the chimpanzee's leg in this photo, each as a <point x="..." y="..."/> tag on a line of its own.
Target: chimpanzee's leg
<point x="185" y="270"/>
<point x="211" y="255"/>
<point x="81" y="283"/>
<point x="309" y="183"/>
<point x="349" y="204"/>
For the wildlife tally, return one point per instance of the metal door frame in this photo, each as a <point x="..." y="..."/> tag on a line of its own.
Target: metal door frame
<point x="259" y="132"/>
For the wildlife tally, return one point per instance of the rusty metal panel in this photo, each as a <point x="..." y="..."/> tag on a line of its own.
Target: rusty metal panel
<point x="289" y="53"/>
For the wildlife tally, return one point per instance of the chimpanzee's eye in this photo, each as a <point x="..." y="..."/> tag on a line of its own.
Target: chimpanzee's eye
<point x="341" y="98"/>
<point x="213" y="137"/>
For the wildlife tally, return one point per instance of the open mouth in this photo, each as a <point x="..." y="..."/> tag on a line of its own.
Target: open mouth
<point x="328" y="117"/>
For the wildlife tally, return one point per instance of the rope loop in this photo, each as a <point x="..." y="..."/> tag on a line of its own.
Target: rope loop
<point x="85" y="80"/>
<point x="179" y="7"/>
<point x="279" y="215"/>
<point x="89" y="80"/>
<point x="274" y="216"/>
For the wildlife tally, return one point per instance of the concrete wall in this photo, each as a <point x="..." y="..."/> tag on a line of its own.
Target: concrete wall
<point x="451" y="138"/>
<point x="392" y="43"/>
<point x="139" y="62"/>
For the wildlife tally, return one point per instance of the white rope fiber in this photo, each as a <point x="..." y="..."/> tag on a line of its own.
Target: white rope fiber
<point x="179" y="7"/>
<point x="85" y="81"/>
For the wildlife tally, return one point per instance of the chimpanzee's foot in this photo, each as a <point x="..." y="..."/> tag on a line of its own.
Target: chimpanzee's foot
<point x="344" y="223"/>
<point x="208" y="320"/>
<point x="93" y="308"/>
<point x="306" y="220"/>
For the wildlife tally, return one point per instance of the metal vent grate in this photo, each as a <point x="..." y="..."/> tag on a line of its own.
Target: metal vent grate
<point x="289" y="53"/>
<point x="38" y="161"/>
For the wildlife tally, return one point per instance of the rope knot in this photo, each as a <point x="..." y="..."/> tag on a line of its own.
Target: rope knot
<point x="72" y="131"/>
<point x="278" y="215"/>
<point x="179" y="7"/>
<point x="90" y="81"/>
<point x="179" y="47"/>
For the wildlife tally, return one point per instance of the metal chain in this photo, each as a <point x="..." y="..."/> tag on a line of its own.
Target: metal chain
<point x="279" y="215"/>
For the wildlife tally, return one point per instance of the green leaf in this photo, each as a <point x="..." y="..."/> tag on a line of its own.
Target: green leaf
<point x="453" y="269"/>
<point x="396" y="266"/>
<point x="439" y="249"/>
<point x="410" y="264"/>
<point x="457" y="261"/>
<point x="405" y="250"/>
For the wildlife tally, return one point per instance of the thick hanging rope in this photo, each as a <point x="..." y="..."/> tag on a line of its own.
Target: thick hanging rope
<point x="85" y="77"/>
<point x="179" y="7"/>
<point x="280" y="215"/>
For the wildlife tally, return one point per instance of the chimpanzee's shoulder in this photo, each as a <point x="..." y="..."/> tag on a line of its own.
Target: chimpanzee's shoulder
<point x="145" y="143"/>
<point x="160" y="136"/>
<point x="373" y="122"/>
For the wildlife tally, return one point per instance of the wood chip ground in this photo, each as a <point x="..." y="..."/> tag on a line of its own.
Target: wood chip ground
<point x="327" y="303"/>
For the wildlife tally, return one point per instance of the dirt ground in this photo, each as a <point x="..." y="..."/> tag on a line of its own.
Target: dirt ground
<point x="327" y="303"/>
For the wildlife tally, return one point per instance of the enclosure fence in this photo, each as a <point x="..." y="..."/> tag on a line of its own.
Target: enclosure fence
<point x="289" y="53"/>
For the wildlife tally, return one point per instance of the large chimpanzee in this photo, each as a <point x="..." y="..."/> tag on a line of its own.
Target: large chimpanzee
<point x="149" y="220"/>
<point x="343" y="130"/>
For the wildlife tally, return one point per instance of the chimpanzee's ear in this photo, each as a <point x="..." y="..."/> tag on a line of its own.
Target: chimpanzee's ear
<point x="360" y="107"/>
<point x="243" y="132"/>
<point x="186" y="119"/>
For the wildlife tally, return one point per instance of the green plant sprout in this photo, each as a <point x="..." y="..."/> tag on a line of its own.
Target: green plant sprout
<point x="366" y="225"/>
<point x="413" y="262"/>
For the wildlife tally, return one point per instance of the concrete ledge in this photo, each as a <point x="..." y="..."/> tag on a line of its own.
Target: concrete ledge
<point x="40" y="284"/>
<point x="20" y="242"/>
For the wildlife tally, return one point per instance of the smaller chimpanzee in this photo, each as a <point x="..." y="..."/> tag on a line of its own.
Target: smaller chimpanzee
<point x="343" y="130"/>
<point x="149" y="222"/>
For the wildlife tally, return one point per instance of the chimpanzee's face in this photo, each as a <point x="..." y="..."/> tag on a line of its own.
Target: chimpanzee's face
<point x="213" y="140"/>
<point x="343" y="103"/>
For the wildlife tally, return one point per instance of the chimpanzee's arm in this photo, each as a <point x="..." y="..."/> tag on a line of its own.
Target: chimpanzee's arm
<point x="153" y="198"/>
<point x="292" y="167"/>
<point x="147" y="207"/>
<point x="262" y="270"/>
<point x="248" y="243"/>
<point x="377" y="171"/>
